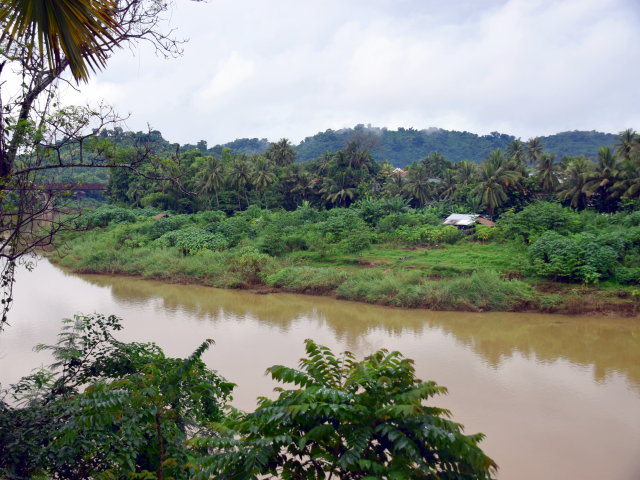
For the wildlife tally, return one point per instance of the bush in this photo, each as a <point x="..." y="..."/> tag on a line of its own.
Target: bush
<point x="537" y="218"/>
<point x="103" y="216"/>
<point x="340" y="222"/>
<point x="155" y="228"/>
<point x="582" y="257"/>
<point x="356" y="242"/>
<point x="429" y="235"/>
<point x="372" y="210"/>
<point x="627" y="276"/>
<point x="351" y="420"/>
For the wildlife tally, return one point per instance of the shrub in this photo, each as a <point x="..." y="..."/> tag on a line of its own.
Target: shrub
<point x="351" y="419"/>
<point x="103" y="216"/>
<point x="356" y="242"/>
<point x="373" y="209"/>
<point x="583" y="257"/>
<point x="193" y="239"/>
<point x="155" y="228"/>
<point x="537" y="218"/>
<point x="627" y="276"/>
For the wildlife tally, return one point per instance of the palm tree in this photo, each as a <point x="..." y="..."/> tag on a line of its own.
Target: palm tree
<point x="212" y="178"/>
<point x="449" y="185"/>
<point x="281" y="153"/>
<point x="629" y="183"/>
<point x="240" y="176"/>
<point x="495" y="177"/>
<point x="263" y="176"/>
<point x="572" y="189"/>
<point x="337" y="190"/>
<point x="534" y="150"/>
<point x="516" y="153"/>
<point x="466" y="172"/>
<point x="80" y="33"/>
<point x="602" y="178"/>
<point x="418" y="185"/>
<point x="628" y="141"/>
<point x="547" y="172"/>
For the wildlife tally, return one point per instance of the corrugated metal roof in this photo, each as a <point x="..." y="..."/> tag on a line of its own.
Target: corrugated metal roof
<point x="461" y="219"/>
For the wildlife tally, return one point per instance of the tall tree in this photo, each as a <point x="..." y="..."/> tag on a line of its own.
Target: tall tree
<point x="281" y="153"/>
<point x="534" y="150"/>
<point x="628" y="142"/>
<point x="547" y="173"/>
<point x="494" y="178"/>
<point x="212" y="178"/>
<point x="601" y="179"/>
<point x="418" y="184"/>
<point x="572" y="189"/>
<point x="240" y="177"/>
<point x="262" y="175"/>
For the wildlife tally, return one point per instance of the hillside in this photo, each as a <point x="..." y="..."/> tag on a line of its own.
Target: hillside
<point x="400" y="147"/>
<point x="403" y="146"/>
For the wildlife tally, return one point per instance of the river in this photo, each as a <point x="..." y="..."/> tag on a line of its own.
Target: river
<point x="558" y="397"/>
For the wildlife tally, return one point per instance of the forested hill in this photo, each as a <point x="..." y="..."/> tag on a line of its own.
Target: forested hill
<point x="403" y="146"/>
<point x="400" y="147"/>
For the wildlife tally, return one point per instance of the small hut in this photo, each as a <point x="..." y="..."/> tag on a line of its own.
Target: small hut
<point x="464" y="220"/>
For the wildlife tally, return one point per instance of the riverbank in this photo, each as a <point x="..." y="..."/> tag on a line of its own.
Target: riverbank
<point x="394" y="283"/>
<point x="406" y="259"/>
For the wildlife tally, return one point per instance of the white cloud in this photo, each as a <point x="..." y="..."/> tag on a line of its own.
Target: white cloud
<point x="289" y="69"/>
<point x="229" y="77"/>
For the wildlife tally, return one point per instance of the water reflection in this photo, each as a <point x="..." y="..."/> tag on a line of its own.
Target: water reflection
<point x="609" y="344"/>
<point x="558" y="397"/>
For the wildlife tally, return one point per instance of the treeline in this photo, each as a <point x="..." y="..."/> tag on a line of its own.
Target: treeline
<point x="399" y="147"/>
<point x="506" y="179"/>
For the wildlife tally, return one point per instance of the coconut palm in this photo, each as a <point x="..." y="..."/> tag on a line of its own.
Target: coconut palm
<point x="281" y="153"/>
<point x="262" y="175"/>
<point x="547" y="172"/>
<point x="516" y="154"/>
<point x="337" y="189"/>
<point x="629" y="183"/>
<point x="601" y="179"/>
<point x="628" y="142"/>
<point x="418" y="185"/>
<point x="466" y="172"/>
<point x="573" y="189"/>
<point x="494" y="179"/>
<point x="534" y="150"/>
<point x="240" y="176"/>
<point x="212" y="178"/>
<point x="449" y="185"/>
<point x="80" y="33"/>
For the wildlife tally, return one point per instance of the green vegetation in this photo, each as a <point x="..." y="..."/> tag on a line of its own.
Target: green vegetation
<point x="399" y="147"/>
<point x="108" y="409"/>
<point x="367" y="253"/>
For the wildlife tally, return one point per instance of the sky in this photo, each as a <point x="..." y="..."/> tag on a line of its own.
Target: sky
<point x="291" y="68"/>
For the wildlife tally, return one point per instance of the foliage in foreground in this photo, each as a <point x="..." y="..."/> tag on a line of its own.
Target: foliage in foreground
<point x="349" y="420"/>
<point x="108" y="409"/>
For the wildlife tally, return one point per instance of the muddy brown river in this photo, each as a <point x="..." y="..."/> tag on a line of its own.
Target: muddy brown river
<point x="558" y="397"/>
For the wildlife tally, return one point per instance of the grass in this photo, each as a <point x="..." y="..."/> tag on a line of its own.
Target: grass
<point x="466" y="276"/>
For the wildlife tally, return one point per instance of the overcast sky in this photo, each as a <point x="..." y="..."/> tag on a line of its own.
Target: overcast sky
<point x="279" y="68"/>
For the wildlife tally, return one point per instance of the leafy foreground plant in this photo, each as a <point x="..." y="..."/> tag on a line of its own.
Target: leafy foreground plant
<point x="108" y="409"/>
<point x="348" y="420"/>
